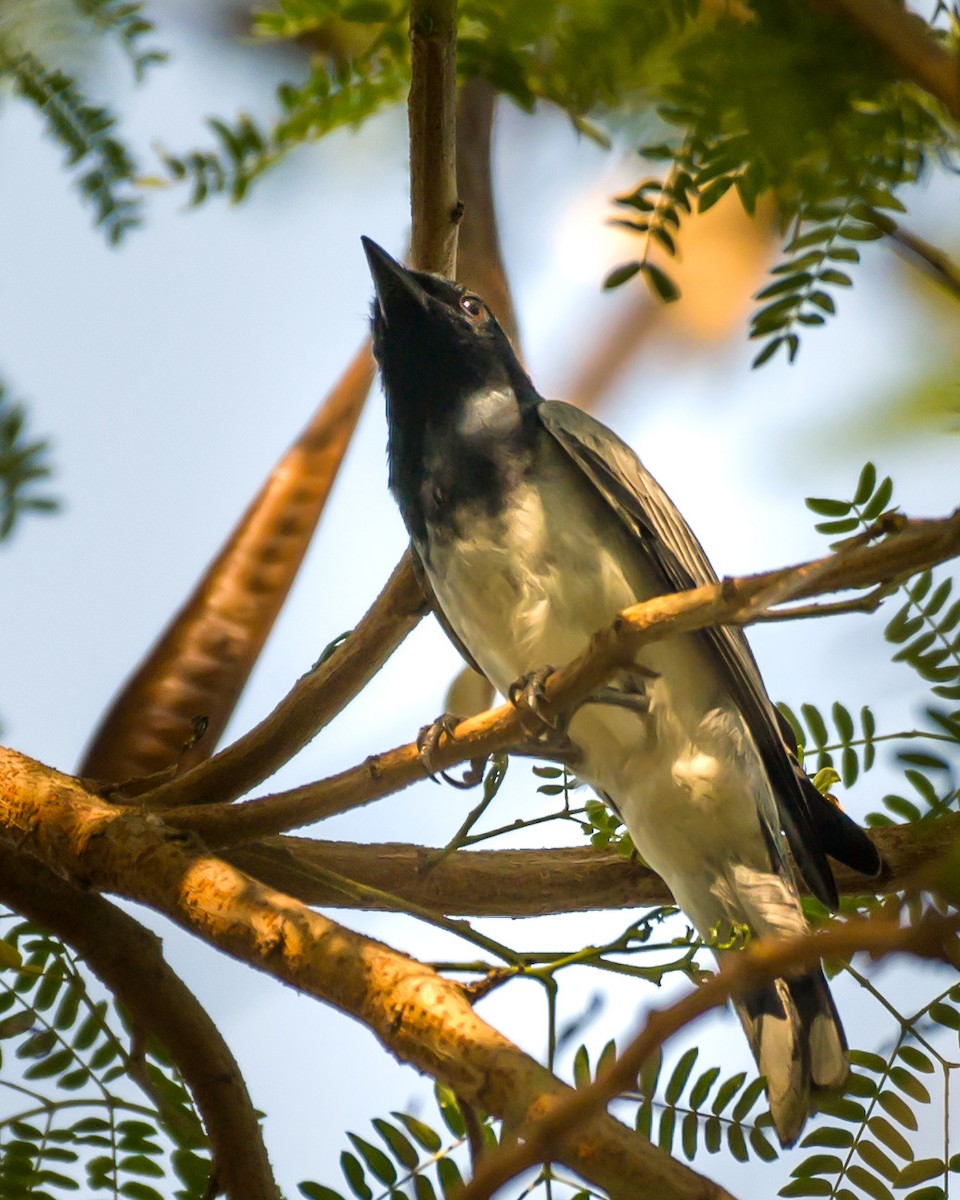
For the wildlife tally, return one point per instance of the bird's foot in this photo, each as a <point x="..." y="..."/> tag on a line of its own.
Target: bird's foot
<point x="428" y="742"/>
<point x="527" y="694"/>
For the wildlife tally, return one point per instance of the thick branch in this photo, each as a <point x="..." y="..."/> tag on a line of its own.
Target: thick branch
<point x="419" y="1016"/>
<point x="129" y="960"/>
<point x="933" y="937"/>
<point x="313" y="701"/>
<point x="915" y="546"/>
<point x="431" y="109"/>
<point x="523" y="883"/>
<point x="907" y="40"/>
<point x="202" y="660"/>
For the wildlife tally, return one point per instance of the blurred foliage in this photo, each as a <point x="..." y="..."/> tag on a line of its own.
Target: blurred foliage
<point x="771" y="100"/>
<point x="23" y="463"/>
<point x="103" y="167"/>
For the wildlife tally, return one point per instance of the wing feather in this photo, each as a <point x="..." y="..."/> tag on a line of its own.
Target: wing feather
<point x="665" y="537"/>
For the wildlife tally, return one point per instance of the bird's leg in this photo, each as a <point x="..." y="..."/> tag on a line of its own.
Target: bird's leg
<point x="428" y="741"/>
<point x="627" y="690"/>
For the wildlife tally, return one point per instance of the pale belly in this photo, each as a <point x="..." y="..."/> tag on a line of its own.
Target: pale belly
<point x="685" y="776"/>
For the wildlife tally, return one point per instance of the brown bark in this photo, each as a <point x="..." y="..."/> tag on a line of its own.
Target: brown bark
<point x="431" y="109"/>
<point x="523" y="883"/>
<point x="419" y="1016"/>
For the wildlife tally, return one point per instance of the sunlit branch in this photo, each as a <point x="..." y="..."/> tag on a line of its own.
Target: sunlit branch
<point x="420" y="1017"/>
<point x="913" y="546"/>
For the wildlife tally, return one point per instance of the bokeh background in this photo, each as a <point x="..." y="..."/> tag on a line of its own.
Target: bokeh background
<point x="171" y="373"/>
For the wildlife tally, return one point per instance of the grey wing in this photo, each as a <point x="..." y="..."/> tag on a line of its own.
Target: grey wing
<point x="667" y="540"/>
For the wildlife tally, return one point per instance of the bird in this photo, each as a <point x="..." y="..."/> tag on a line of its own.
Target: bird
<point x="532" y="525"/>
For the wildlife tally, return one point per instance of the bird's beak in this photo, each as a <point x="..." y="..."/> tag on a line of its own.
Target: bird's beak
<point x="395" y="285"/>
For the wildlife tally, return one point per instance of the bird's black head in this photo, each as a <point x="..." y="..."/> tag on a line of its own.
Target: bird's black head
<point x="436" y="342"/>
<point x="454" y="386"/>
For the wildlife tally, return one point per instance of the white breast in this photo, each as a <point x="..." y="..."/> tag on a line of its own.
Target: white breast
<point x="527" y="588"/>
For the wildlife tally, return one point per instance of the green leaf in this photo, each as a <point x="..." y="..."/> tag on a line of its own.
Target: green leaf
<point x="828" y="508"/>
<point x="900" y="1077"/>
<point x="620" y="275"/>
<point x="897" y="1108"/>
<point x="420" y="1132"/>
<point x="355" y="1176"/>
<point x="375" y="1159"/>
<point x="869" y="1183"/>
<point x="830" y="1136"/>
<point x="806" y="1187"/>
<point x="919" y="1172"/>
<point x="762" y="1146"/>
<point x="681" y="1074"/>
<point x="660" y="283"/>
<point x="317" y="1191"/>
<point x="449" y="1175"/>
<point x="727" y="1090"/>
<point x="751" y="1094"/>
<point x="914" y="1057"/>
<point x="943" y="1014"/>
<point x="581" y="1067"/>
<point x="884" y="1132"/>
<point x="701" y="1089"/>
<point x="819" y="1164"/>
<point x="881" y="498"/>
<point x="668" y="1121"/>
<point x="874" y="1157"/>
<point x="401" y="1147"/>
<point x="737" y="1144"/>
<point x="450" y="1110"/>
<point x="689" y="1130"/>
<point x="16" y="1024"/>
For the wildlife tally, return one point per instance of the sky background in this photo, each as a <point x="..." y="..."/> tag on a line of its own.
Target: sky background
<point x="172" y="373"/>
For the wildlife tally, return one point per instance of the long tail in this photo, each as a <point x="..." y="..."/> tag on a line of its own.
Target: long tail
<point x="797" y="1039"/>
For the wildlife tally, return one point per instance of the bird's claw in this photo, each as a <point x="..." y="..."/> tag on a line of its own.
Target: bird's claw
<point x="428" y="741"/>
<point x="527" y="694"/>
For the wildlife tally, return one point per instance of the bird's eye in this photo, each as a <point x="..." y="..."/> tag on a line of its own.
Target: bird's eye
<point x="472" y="305"/>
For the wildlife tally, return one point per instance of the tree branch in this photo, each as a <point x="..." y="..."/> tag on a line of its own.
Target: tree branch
<point x="479" y="260"/>
<point x="913" y="546"/>
<point x="934" y="936"/>
<point x="431" y="110"/>
<point x="420" y="1017"/>
<point x="129" y="961"/>
<point x="311" y="704"/>
<point x="524" y="883"/>
<point x="907" y="40"/>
